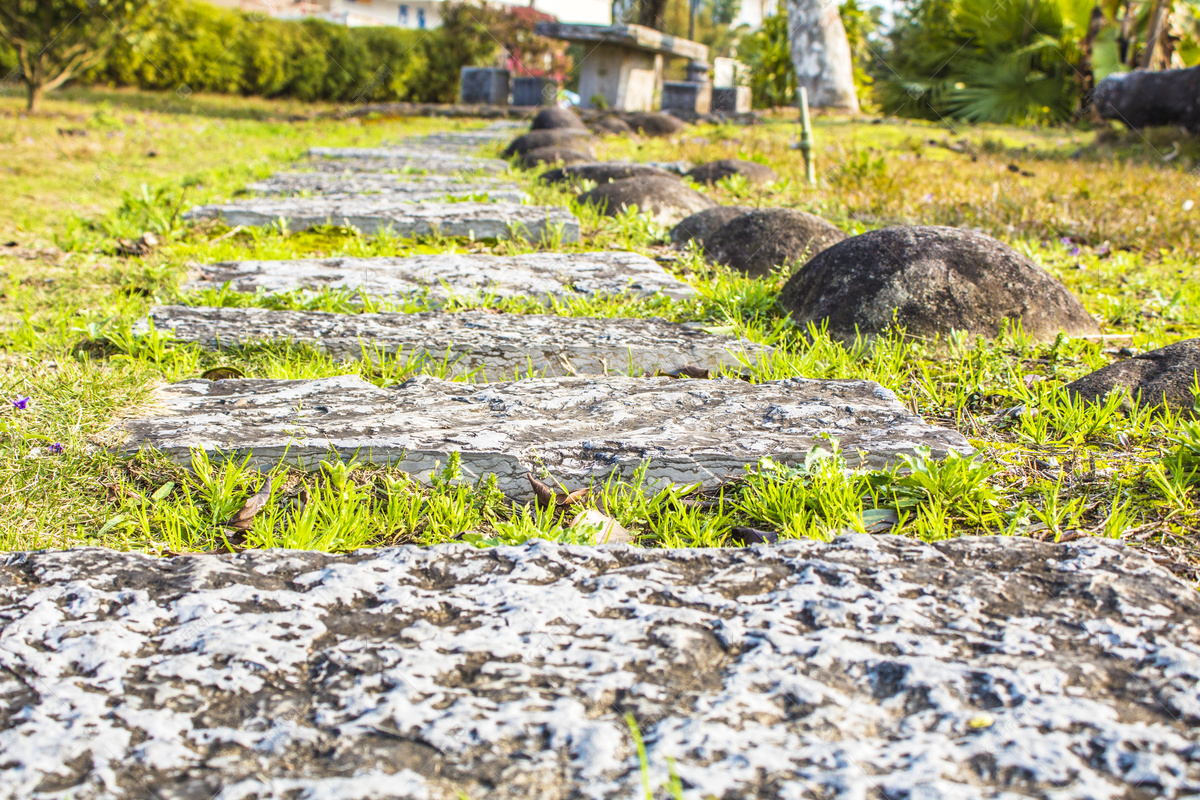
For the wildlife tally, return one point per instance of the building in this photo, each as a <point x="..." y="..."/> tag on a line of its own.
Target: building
<point x="410" y="13"/>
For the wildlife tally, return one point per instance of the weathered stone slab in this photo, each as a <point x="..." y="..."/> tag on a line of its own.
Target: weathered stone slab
<point x="462" y="168"/>
<point x="497" y="345"/>
<point x="429" y="158"/>
<point x="863" y="668"/>
<point x="438" y="277"/>
<point x="580" y="429"/>
<point x="391" y="184"/>
<point x="371" y="214"/>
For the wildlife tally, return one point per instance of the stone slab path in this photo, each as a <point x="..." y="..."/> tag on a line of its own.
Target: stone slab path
<point x="869" y="667"/>
<point x="579" y="429"/>
<point x="438" y="277"/>
<point x="426" y="158"/>
<point x="374" y="213"/>
<point x="391" y="184"/>
<point x="497" y="345"/>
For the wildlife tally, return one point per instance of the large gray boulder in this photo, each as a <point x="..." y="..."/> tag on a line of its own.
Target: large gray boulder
<point x="703" y="224"/>
<point x="714" y="171"/>
<point x="604" y="172"/>
<point x="555" y="137"/>
<point x="667" y="200"/>
<point x="1161" y="377"/>
<point x="868" y="667"/>
<point x="611" y="126"/>
<point x="931" y="280"/>
<point x="763" y="239"/>
<point x="555" y="117"/>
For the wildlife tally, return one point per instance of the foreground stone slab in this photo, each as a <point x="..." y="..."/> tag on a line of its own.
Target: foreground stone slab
<point x="428" y="158"/>
<point x="371" y="214"/>
<point x="392" y="184"/>
<point x="580" y="429"/>
<point x="863" y="668"/>
<point x="462" y="167"/>
<point x="497" y="345"/>
<point x="439" y="277"/>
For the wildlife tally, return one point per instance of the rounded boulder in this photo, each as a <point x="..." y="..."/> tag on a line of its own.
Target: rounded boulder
<point x="552" y="155"/>
<point x="714" y="171"/>
<point x="612" y="126"/>
<point x="931" y="281"/>
<point x="555" y="117"/>
<point x="763" y="239"/>
<point x="604" y="172"/>
<point x="655" y="124"/>
<point x="667" y="200"/>
<point x="703" y="224"/>
<point x="1162" y="377"/>
<point x="575" y="139"/>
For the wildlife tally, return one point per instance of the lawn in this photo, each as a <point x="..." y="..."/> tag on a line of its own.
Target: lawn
<point x="1112" y="214"/>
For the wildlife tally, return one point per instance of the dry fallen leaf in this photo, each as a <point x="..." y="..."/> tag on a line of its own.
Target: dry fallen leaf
<point x="222" y="374"/>
<point x="243" y="520"/>
<point x="686" y="371"/>
<point x="611" y="531"/>
<point x="546" y="496"/>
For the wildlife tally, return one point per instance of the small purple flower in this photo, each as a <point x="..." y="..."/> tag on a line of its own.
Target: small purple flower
<point x="1102" y="250"/>
<point x="20" y="403"/>
<point x="929" y="198"/>
<point x="56" y="448"/>
<point x="1065" y="240"/>
<point x="1075" y="251"/>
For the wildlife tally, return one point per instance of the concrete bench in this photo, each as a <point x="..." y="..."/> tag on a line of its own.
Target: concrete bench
<point x="624" y="64"/>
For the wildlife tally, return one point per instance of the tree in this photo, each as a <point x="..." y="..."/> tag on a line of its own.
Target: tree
<point x="57" y="39"/>
<point x="821" y="53"/>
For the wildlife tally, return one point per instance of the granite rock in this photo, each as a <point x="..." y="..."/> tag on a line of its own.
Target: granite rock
<point x="610" y="126"/>
<point x="392" y="184"/>
<point x="714" y="171"/>
<point x="666" y="200"/>
<point x="757" y="242"/>
<point x="555" y="117"/>
<point x="868" y="667"/>
<point x="438" y="277"/>
<point x="496" y="345"/>
<point x="703" y="224"/>
<point x="655" y="123"/>
<point x="604" y="172"/>
<point x="578" y="429"/>
<point x="575" y="139"/>
<point x="373" y="213"/>
<point x="1161" y="377"/>
<point x="552" y="155"/>
<point x="931" y="281"/>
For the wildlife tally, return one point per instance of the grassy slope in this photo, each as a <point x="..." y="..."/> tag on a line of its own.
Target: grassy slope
<point x="1110" y="218"/>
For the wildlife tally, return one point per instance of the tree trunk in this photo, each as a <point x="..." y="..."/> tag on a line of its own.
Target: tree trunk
<point x="1125" y="40"/>
<point x="1154" y="33"/>
<point x="1084" y="72"/>
<point x="821" y="53"/>
<point x="33" y="96"/>
<point x="1145" y="98"/>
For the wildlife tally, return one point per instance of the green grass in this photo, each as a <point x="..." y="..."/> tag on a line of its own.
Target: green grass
<point x="1101" y="211"/>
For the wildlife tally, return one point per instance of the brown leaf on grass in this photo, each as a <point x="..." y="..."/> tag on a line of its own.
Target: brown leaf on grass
<point x="142" y="246"/>
<point x="611" y="531"/>
<point x="243" y="520"/>
<point x="547" y="497"/>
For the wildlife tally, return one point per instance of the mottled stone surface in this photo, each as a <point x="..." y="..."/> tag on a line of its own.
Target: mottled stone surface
<point x="463" y="168"/>
<point x="423" y="157"/>
<point x="374" y="213"/>
<point x="394" y="185"/>
<point x="496" y="345"/>
<point x="863" y="668"/>
<point x="438" y="277"/>
<point x="1161" y="377"/>
<point x="580" y="429"/>
<point x="666" y="200"/>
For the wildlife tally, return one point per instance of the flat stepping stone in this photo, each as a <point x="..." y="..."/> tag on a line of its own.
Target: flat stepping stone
<point x="373" y="213"/>
<point x="499" y="345"/>
<point x="868" y="667"/>
<point x="391" y="184"/>
<point x="580" y="429"/>
<point x="440" y="277"/>
<point x="428" y="159"/>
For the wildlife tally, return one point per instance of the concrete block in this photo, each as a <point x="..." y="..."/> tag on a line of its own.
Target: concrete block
<point x="534" y="92"/>
<point x="735" y="100"/>
<point x="687" y="96"/>
<point x="483" y="86"/>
